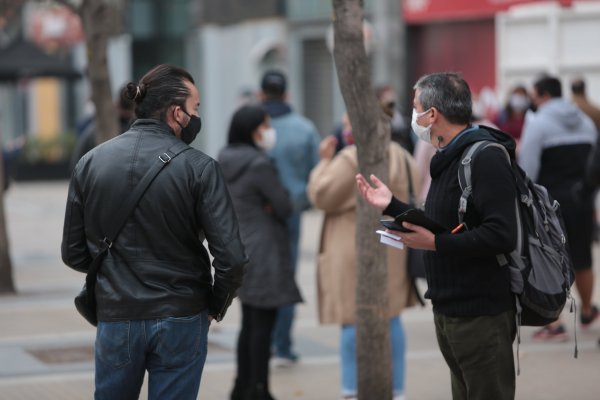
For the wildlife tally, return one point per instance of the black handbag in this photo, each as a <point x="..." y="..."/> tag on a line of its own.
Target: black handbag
<point x="415" y="264"/>
<point x="85" y="301"/>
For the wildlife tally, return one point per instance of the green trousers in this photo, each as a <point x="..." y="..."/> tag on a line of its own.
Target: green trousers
<point x="479" y="352"/>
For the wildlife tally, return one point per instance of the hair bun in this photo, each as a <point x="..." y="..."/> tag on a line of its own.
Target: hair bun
<point x="135" y="92"/>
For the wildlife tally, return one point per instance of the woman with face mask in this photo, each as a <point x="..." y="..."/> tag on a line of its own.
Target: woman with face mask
<point x="331" y="188"/>
<point x="262" y="205"/>
<point x="512" y="117"/>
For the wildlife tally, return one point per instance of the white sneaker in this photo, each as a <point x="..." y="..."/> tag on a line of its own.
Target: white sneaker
<point x="283" y="362"/>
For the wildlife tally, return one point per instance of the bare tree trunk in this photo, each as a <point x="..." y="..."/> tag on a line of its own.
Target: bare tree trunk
<point x="371" y="134"/>
<point x="98" y="17"/>
<point x="7" y="284"/>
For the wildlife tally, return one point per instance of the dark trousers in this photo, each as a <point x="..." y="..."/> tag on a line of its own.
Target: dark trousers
<point x="254" y="346"/>
<point x="479" y="352"/>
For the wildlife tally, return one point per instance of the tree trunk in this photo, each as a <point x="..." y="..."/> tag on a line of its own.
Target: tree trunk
<point x="6" y="278"/>
<point x="371" y="131"/>
<point x="98" y="18"/>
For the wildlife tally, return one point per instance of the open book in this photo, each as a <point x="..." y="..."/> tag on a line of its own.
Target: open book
<point x="413" y="216"/>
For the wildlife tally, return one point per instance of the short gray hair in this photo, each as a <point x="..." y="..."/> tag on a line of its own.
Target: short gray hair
<point x="449" y="93"/>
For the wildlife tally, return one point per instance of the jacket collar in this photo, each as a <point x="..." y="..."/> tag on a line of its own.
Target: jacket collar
<point x="277" y="108"/>
<point x="442" y="159"/>
<point x="155" y="125"/>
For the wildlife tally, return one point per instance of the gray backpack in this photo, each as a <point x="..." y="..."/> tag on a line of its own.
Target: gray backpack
<point x="540" y="266"/>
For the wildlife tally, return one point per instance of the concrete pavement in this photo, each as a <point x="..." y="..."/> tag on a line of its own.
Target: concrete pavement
<point x="46" y="348"/>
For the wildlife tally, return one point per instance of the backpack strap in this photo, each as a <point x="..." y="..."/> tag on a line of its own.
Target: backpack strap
<point x="464" y="173"/>
<point x="465" y="182"/>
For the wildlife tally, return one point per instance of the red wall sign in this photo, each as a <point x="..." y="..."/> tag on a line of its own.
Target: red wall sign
<point x="418" y="11"/>
<point x="54" y="26"/>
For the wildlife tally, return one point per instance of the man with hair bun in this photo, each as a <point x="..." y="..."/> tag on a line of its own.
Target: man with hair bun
<point x="155" y="291"/>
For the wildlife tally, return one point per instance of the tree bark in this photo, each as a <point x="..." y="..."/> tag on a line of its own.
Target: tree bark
<point x="7" y="284"/>
<point x="371" y="132"/>
<point x="98" y="18"/>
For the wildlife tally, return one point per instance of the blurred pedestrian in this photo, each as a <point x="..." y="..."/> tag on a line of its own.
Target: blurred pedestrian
<point x="579" y="97"/>
<point x="295" y="153"/>
<point x="473" y="307"/>
<point x="555" y="147"/>
<point x="401" y="132"/>
<point x="155" y="292"/>
<point x="588" y="187"/>
<point x="11" y="151"/>
<point x="332" y="189"/>
<point x="424" y="152"/>
<point x="86" y="141"/>
<point x="262" y="205"/>
<point x="512" y="117"/>
<point x="343" y="134"/>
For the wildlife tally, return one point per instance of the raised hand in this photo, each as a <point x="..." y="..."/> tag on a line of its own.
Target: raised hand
<point x="327" y="148"/>
<point x="378" y="196"/>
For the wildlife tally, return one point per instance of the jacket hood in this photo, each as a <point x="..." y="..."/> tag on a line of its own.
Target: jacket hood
<point x="236" y="159"/>
<point x="562" y="113"/>
<point x="474" y="133"/>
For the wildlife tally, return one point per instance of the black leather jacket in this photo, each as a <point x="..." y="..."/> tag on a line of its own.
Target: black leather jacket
<point x="158" y="265"/>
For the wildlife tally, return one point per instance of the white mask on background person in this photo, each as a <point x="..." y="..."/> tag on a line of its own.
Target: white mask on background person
<point x="267" y="142"/>
<point x="519" y="102"/>
<point x="423" y="132"/>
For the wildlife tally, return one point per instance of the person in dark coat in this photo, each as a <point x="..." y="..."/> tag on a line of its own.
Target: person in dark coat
<point x="156" y="292"/>
<point x="262" y="205"/>
<point x="473" y="307"/>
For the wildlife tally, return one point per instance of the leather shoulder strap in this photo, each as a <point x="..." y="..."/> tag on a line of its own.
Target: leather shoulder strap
<point x="123" y="213"/>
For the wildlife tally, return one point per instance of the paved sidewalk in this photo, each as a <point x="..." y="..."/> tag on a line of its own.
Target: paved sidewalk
<point x="46" y="349"/>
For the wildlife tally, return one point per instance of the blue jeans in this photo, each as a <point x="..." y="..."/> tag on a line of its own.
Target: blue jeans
<point x="348" y="356"/>
<point x="172" y="350"/>
<point x="282" y="334"/>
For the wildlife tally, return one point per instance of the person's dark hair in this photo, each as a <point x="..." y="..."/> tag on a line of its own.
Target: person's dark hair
<point x="273" y="84"/>
<point x="548" y="85"/>
<point x="161" y="87"/>
<point x="244" y="122"/>
<point x="124" y="102"/>
<point x="578" y="87"/>
<point x="449" y="93"/>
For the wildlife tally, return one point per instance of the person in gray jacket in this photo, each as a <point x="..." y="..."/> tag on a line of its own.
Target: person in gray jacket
<point x="155" y="291"/>
<point x="262" y="205"/>
<point x="555" y="147"/>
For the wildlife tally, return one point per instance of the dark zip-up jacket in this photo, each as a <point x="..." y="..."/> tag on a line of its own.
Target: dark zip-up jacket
<point x="158" y="266"/>
<point x="464" y="279"/>
<point x="262" y="205"/>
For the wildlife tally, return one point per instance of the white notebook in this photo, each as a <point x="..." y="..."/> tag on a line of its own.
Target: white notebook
<point x="390" y="239"/>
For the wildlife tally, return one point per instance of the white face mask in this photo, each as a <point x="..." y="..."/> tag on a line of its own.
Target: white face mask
<point x="519" y="102"/>
<point x="423" y="132"/>
<point x="268" y="139"/>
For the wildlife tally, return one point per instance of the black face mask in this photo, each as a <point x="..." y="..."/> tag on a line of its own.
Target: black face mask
<point x="190" y="131"/>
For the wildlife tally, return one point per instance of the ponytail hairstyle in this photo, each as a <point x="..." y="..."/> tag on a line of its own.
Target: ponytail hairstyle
<point x="161" y="87"/>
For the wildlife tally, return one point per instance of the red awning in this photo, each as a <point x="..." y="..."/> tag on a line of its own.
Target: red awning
<point x="422" y="11"/>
